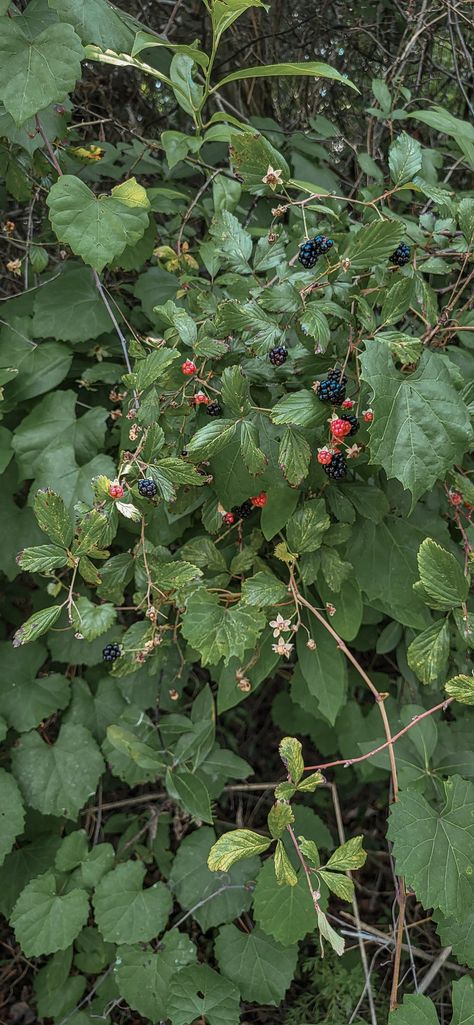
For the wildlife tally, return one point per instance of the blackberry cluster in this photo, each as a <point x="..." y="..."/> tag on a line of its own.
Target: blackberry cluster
<point x="401" y="256"/>
<point x="213" y="409"/>
<point x="278" y="355"/>
<point x="312" y="249"/>
<point x="333" y="389"/>
<point x="147" y="487"/>
<point x="337" y="468"/>
<point x="111" y="652"/>
<point x="353" y="421"/>
<point x="242" y="511"/>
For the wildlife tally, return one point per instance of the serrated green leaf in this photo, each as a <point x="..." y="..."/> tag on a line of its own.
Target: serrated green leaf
<point x="285" y="912"/>
<point x="339" y="884"/>
<point x="428" y="654"/>
<point x="279" y="817"/>
<point x="349" y="856"/>
<point x="307" y="526"/>
<point x="284" y="871"/>
<point x="36" y="71"/>
<point x="37" y="625"/>
<point x="259" y="966"/>
<point x="441" y="576"/>
<point x="58" y="778"/>
<point x="441" y="839"/>
<point x="199" y="992"/>
<point x="404" y="159"/>
<point x="92" y="620"/>
<point x="44" y="920"/>
<point x="290" y="750"/>
<point x="234" y="244"/>
<point x="153" y="367"/>
<point x="294" y="456"/>
<point x="301" y="408"/>
<point x="254" y="459"/>
<point x="12" y="814"/>
<point x="211" y="439"/>
<point x="420" y="425"/>
<point x="373" y="244"/>
<point x="124" y="911"/>
<point x="143" y="976"/>
<point x="42" y="558"/>
<point x="218" y="632"/>
<point x="235" y="391"/>
<point x="263" y="589"/>
<point x="309" y="783"/>
<point x="461" y="688"/>
<point x="330" y="934"/>
<point x="232" y="847"/>
<point x="53" y="517"/>
<point x="97" y="229"/>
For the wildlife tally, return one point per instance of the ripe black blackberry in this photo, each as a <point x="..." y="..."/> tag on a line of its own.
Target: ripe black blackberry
<point x="337" y="468"/>
<point x="401" y="256"/>
<point x="323" y="244"/>
<point x="213" y="409"/>
<point x="308" y="254"/>
<point x="111" y="652"/>
<point x="277" y="356"/>
<point x="337" y="375"/>
<point x="332" y="390"/>
<point x="147" y="487"/>
<point x="353" y="421"/>
<point x="242" y="511"/>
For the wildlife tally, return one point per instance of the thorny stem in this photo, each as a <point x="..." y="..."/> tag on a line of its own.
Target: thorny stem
<point x="379" y="699"/>
<point x="362" y="758"/>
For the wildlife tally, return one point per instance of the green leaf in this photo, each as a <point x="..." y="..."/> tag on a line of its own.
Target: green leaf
<point x="349" y="856"/>
<point x="53" y="517"/>
<point x="92" y="533"/>
<point x="44" y="920"/>
<point x="415" y="1010"/>
<point x="58" y="778"/>
<point x="458" y="933"/>
<point x="441" y="840"/>
<point x="315" y="69"/>
<point x="341" y="885"/>
<point x="225" y="893"/>
<point x="251" y="156"/>
<point x="294" y="456"/>
<point x="199" y="992"/>
<point x="254" y="459"/>
<point x="192" y="793"/>
<point x="176" y="317"/>
<point x="259" y="966"/>
<point x="209" y="440"/>
<point x="290" y="750"/>
<point x="38" y="624"/>
<point x="70" y="308"/>
<point x="396" y="302"/>
<point x="97" y="229"/>
<point x="234" y="244"/>
<point x="124" y="911"/>
<point x="421" y="426"/>
<point x="143" y="977"/>
<point x="24" y="701"/>
<point x="232" y="847"/>
<point x="307" y="526"/>
<point x="218" y="632"/>
<point x="382" y="94"/>
<point x="314" y="323"/>
<point x="428" y="654"/>
<point x="286" y="913"/>
<point x="188" y="93"/>
<point x="323" y="672"/>
<point x="36" y="71"/>
<point x="373" y="244"/>
<point x="461" y="688"/>
<point x="442" y="579"/>
<point x="284" y="871"/>
<point x="235" y="391"/>
<point x="95" y="21"/>
<point x="309" y="784"/>
<point x="301" y="408"/>
<point x="279" y="817"/>
<point x="42" y="558"/>
<point x="12" y="814"/>
<point x="404" y="159"/>
<point x="92" y="620"/>
<point x="153" y="367"/>
<point x="263" y="589"/>
<point x="330" y="934"/>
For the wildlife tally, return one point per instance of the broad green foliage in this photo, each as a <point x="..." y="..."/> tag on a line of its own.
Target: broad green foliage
<point x="176" y="539"/>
